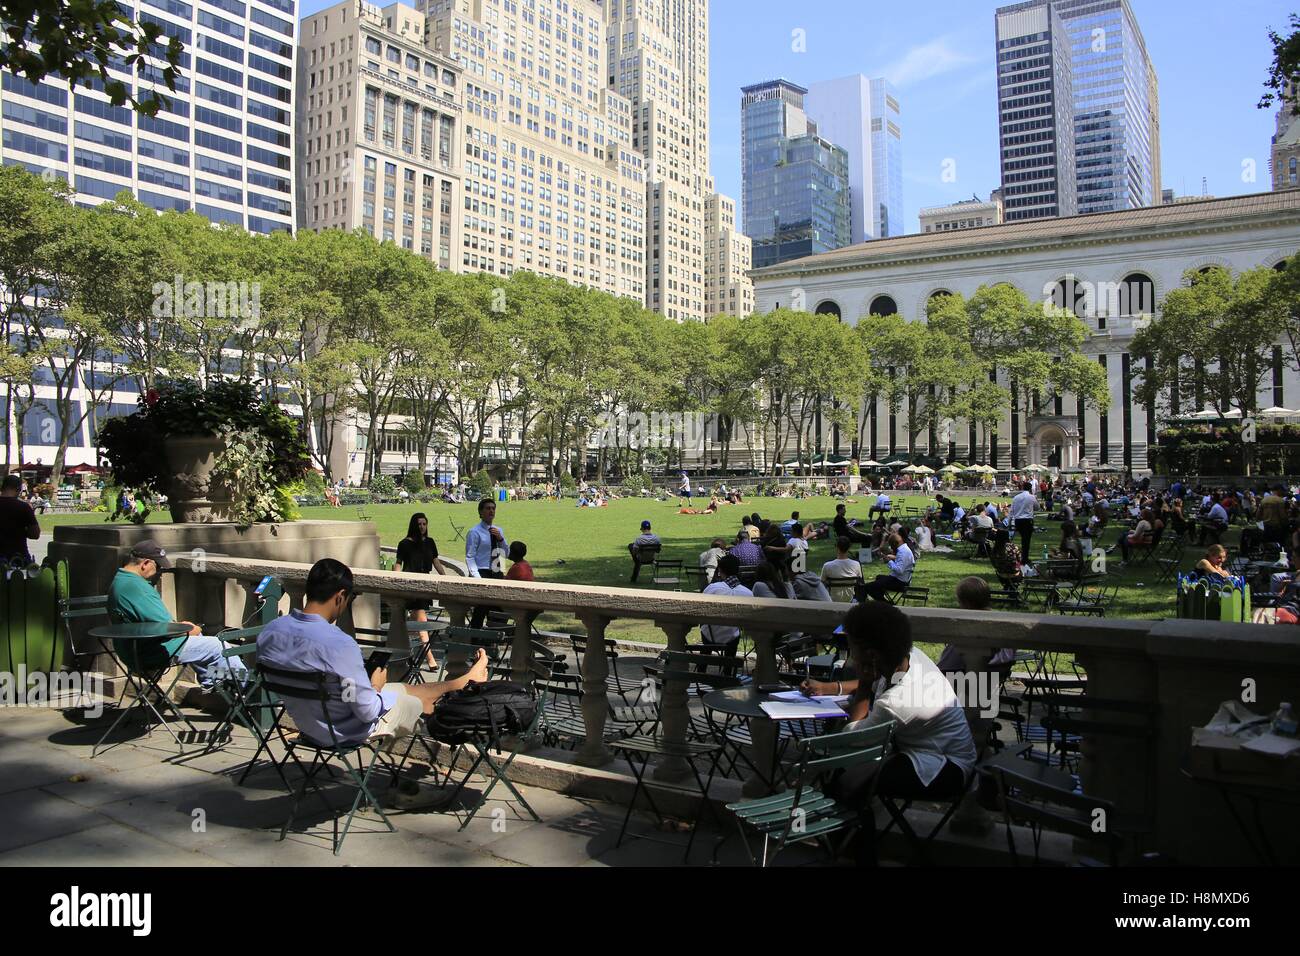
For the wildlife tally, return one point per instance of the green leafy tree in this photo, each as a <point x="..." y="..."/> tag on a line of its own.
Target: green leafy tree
<point x="1285" y="68"/>
<point x="80" y="40"/>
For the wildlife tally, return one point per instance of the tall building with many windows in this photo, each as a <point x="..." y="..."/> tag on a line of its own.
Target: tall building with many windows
<point x="658" y="62"/>
<point x="379" y="130"/>
<point x="223" y="144"/>
<point x="1113" y="101"/>
<point x="728" y="257"/>
<point x="794" y="184"/>
<point x="864" y="117"/>
<point x="552" y="182"/>
<point x="1035" y="112"/>
<point x="1284" y="157"/>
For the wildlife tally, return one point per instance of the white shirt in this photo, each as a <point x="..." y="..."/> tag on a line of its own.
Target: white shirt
<point x="930" y="724"/>
<point x="723" y="633"/>
<point x="984" y="521"/>
<point x="1022" y="506"/>
<point x="882" y="501"/>
<point x="1219" y="513"/>
<point x="841" y="568"/>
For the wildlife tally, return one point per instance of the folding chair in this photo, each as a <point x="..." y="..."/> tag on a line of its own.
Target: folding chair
<point x="456" y="529"/>
<point x="678" y="666"/>
<point x="1042" y="806"/>
<point x="843" y="589"/>
<point x="71" y="609"/>
<point x="804" y="812"/>
<point x="324" y="689"/>
<point x="541" y="678"/>
<point x="614" y="680"/>
<point x="1088" y="600"/>
<point x="668" y="571"/>
<point x="249" y="704"/>
<point x="143" y="676"/>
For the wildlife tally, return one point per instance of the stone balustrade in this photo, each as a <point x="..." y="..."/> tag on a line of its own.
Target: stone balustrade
<point x="1183" y="668"/>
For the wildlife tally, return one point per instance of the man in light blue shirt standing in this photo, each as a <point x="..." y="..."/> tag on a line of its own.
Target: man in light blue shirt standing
<point x="485" y="551"/>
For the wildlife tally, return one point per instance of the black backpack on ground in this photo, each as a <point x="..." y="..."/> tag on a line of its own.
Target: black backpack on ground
<point x="486" y="710"/>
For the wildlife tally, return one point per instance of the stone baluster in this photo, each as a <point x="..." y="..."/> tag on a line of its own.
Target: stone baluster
<point x="521" y="648"/>
<point x="674" y="714"/>
<point x="595" y="693"/>
<point x="456" y="612"/>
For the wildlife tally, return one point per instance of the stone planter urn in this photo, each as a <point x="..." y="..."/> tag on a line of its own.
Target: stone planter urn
<point x="193" y="496"/>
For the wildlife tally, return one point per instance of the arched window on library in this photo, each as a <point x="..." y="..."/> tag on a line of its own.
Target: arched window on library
<point x="1137" y="295"/>
<point x="829" y="307"/>
<point x="883" y="305"/>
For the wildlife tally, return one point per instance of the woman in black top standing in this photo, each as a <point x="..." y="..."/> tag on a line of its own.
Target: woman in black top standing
<point x="418" y="554"/>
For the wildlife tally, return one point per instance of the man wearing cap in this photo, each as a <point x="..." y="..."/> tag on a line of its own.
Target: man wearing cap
<point x="133" y="598"/>
<point x="647" y="540"/>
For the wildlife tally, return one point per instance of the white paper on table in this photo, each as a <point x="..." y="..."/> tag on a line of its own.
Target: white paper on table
<point x="798" y="696"/>
<point x="1274" y="745"/>
<point x="808" y="710"/>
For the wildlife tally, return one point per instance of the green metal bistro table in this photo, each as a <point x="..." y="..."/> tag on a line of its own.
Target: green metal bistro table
<point x="745" y="703"/>
<point x="129" y="643"/>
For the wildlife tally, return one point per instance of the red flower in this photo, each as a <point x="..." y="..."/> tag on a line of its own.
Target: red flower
<point x="151" y="397"/>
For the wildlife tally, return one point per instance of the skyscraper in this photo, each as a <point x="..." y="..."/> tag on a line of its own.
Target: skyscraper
<point x="222" y="146"/>
<point x="794" y="183"/>
<point x="1035" y="112"/>
<point x="379" y="130"/>
<point x="1284" y="158"/>
<point x="658" y="61"/>
<point x="863" y="116"/>
<point x="1113" y="95"/>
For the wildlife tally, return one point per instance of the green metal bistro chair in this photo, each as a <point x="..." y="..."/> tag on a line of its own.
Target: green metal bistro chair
<point x="676" y="667"/>
<point x="483" y="744"/>
<point x="1027" y="799"/>
<point x="805" y="813"/>
<point x="324" y="689"/>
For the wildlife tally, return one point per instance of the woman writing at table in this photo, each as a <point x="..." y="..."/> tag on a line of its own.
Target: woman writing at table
<point x="935" y="752"/>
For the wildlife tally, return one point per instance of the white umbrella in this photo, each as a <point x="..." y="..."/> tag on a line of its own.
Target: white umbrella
<point x="1276" y="412"/>
<point x="869" y="463"/>
<point x="924" y="470"/>
<point x="953" y="467"/>
<point x="911" y="470"/>
<point x="1207" y="414"/>
<point x="893" y="464"/>
<point x="1035" y="467"/>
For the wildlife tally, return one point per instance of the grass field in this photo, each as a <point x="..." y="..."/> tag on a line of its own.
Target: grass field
<point x="574" y="545"/>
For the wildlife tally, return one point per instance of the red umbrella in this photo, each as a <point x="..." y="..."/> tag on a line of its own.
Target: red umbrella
<point x="81" y="470"/>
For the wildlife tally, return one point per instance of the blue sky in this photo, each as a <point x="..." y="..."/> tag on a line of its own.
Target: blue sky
<point x="1211" y="59"/>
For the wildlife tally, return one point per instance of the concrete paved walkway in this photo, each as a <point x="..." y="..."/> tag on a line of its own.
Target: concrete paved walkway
<point x="135" y="805"/>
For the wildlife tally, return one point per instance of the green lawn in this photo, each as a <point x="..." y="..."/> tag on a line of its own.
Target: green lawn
<point x="588" y="545"/>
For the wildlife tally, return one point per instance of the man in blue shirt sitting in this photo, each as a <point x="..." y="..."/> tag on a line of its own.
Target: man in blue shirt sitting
<point x="368" y="706"/>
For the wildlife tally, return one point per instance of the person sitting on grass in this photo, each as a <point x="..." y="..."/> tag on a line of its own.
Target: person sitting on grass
<point x="367" y="706"/>
<point x="934" y="750"/>
<point x="843" y="528"/>
<point x="520" y="570"/>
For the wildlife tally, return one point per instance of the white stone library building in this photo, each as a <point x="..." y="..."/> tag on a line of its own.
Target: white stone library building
<point x="1139" y="253"/>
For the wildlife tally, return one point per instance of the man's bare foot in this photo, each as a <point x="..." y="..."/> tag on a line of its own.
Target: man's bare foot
<point x="479" y="671"/>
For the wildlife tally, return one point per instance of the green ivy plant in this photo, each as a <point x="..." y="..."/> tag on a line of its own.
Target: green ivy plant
<point x="242" y="468"/>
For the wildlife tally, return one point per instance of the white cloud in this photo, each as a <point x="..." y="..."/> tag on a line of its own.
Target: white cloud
<point x="927" y="61"/>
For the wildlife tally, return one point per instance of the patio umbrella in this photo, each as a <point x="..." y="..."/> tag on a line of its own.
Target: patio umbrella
<point x="869" y="463"/>
<point x="1276" y="412"/>
<point x="1035" y="467"/>
<point x="911" y="470"/>
<point x="924" y="470"/>
<point x="1205" y="415"/>
<point x="893" y="464"/>
<point x="953" y="467"/>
